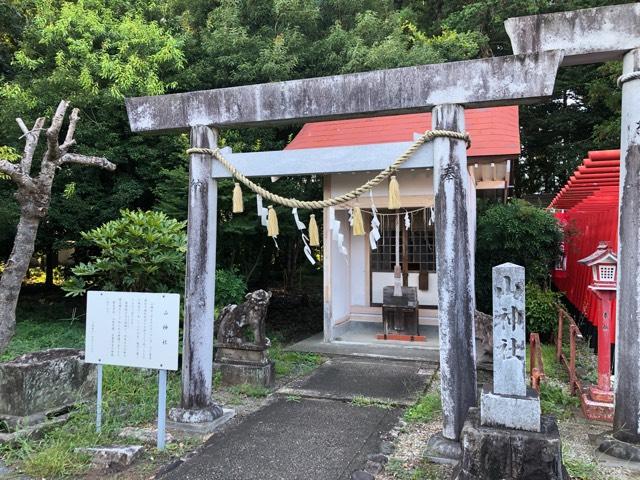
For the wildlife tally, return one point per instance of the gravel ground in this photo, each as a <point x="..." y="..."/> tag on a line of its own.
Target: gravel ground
<point x="576" y="447"/>
<point x="406" y="461"/>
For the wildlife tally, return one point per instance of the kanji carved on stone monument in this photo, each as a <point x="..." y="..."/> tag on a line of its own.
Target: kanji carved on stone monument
<point x="509" y="330"/>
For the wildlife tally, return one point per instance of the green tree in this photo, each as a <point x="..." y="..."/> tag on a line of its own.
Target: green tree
<point x="92" y="52"/>
<point x="519" y="233"/>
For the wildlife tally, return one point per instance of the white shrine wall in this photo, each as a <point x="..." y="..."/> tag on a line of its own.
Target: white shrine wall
<point x="349" y="288"/>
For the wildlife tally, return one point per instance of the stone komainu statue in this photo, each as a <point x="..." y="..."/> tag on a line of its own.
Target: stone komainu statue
<point x="245" y="323"/>
<point x="484" y="337"/>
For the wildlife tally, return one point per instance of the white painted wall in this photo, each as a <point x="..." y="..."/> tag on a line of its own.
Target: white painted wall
<point x="413" y="183"/>
<point x="425" y="297"/>
<point x="351" y="287"/>
<point x="341" y="283"/>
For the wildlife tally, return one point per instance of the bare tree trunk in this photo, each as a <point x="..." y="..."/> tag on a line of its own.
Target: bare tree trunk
<point x="34" y="196"/>
<point x="51" y="262"/>
<point x="13" y="274"/>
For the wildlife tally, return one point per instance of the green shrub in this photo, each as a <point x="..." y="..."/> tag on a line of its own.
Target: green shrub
<point x="514" y="232"/>
<point x="230" y="287"/>
<point x="139" y="252"/>
<point x="542" y="310"/>
<point x="555" y="400"/>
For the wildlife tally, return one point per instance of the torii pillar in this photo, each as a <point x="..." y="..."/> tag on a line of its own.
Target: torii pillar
<point x="455" y="266"/>
<point x="594" y="35"/>
<point x="626" y="422"/>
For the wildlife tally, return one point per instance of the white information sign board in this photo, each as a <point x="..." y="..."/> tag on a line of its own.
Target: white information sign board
<point x="133" y="329"/>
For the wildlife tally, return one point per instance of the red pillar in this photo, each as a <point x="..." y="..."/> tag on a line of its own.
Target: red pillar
<point x="603" y="392"/>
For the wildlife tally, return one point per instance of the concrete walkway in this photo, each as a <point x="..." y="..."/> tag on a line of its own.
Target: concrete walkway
<point x="313" y="429"/>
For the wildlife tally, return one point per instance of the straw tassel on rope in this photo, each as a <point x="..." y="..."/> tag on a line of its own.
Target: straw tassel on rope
<point x="238" y="206"/>
<point x="394" y="193"/>
<point x="314" y="236"/>
<point x="272" y="223"/>
<point x="358" y="225"/>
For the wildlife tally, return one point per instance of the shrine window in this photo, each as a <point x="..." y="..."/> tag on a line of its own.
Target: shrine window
<point x="420" y="242"/>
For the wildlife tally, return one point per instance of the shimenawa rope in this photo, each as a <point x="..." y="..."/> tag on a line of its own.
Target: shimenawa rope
<point x="428" y="136"/>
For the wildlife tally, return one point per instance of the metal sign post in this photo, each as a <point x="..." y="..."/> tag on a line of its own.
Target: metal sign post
<point x="99" y="401"/>
<point x="133" y="329"/>
<point x="162" y="407"/>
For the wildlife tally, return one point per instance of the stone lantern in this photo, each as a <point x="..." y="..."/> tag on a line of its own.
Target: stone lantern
<point x="604" y="270"/>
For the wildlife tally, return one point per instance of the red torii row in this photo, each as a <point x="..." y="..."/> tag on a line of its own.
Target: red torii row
<point x="588" y="209"/>
<point x="598" y="171"/>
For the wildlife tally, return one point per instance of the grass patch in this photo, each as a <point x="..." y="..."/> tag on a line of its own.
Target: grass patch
<point x="248" y="390"/>
<point x="423" y="471"/>
<point x="42" y="324"/>
<point x="579" y="468"/>
<point x="129" y="400"/>
<point x="362" y="401"/>
<point x="426" y="409"/>
<point x="293" y="363"/>
<point x="555" y="400"/>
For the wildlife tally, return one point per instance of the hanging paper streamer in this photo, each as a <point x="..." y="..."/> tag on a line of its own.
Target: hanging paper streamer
<point x="301" y="226"/>
<point x="335" y="231"/>
<point x="374" y="235"/>
<point x="407" y="221"/>
<point x="262" y="212"/>
<point x="431" y="214"/>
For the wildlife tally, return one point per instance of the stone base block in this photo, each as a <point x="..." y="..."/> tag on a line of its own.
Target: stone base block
<point x="510" y="411"/>
<point x="619" y="449"/>
<point x="198" y="429"/>
<point x="442" y="450"/>
<point x="36" y="384"/>
<point x="254" y="374"/>
<point x="595" y="410"/>
<point x="112" y="458"/>
<point x="597" y="395"/>
<point x="508" y="454"/>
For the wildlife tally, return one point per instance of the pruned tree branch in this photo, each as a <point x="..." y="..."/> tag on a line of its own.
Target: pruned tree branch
<point x="53" y="132"/>
<point x="22" y="126"/>
<point x="16" y="174"/>
<point x="31" y="142"/>
<point x="73" y="122"/>
<point x="100" y="162"/>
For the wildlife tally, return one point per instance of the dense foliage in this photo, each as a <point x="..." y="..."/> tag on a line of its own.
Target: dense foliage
<point x="95" y="52"/>
<point x="542" y="310"/>
<point x="139" y="252"/>
<point x="230" y="287"/>
<point x="515" y="232"/>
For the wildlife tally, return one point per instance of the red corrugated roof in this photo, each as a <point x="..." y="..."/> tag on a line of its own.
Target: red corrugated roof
<point x="494" y="131"/>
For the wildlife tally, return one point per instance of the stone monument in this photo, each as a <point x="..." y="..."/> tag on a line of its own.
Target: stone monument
<point x="509" y="439"/>
<point x="37" y="386"/>
<point x="242" y="347"/>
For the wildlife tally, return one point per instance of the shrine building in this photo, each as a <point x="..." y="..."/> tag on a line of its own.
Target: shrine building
<point x="355" y="274"/>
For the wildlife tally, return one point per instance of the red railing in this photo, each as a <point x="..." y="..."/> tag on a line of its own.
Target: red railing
<point x="535" y="361"/>
<point x="570" y="363"/>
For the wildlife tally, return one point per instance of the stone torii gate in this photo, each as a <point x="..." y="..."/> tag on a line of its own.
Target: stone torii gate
<point x="541" y="43"/>
<point x="590" y="36"/>
<point x="444" y="88"/>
